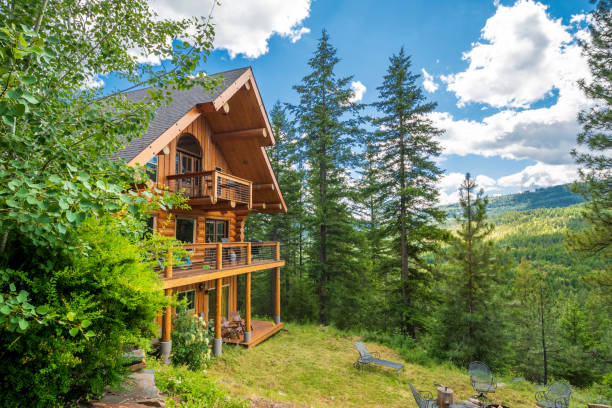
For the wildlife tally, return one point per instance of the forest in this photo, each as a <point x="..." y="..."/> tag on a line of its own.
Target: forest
<point x="368" y="248"/>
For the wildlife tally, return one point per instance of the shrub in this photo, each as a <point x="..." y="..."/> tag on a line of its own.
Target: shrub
<point x="190" y="341"/>
<point x="105" y="285"/>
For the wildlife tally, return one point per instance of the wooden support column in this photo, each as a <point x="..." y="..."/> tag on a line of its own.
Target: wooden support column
<point x="247" y="308"/>
<point x="277" y="295"/>
<point x="217" y="342"/>
<point x="166" y="337"/>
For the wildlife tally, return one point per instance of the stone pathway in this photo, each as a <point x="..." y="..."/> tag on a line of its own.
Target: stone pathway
<point x="140" y="391"/>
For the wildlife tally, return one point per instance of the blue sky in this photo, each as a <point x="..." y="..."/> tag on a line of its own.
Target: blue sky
<point x="502" y="72"/>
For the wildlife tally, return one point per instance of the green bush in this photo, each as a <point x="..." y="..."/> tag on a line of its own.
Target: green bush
<point x="190" y="389"/>
<point x="108" y="298"/>
<point x="190" y="341"/>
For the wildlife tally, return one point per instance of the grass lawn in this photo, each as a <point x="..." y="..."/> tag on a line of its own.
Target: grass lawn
<point x="312" y="366"/>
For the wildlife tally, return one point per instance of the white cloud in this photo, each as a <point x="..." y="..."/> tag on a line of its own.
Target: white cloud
<point x="358" y="90"/>
<point x="93" y="81"/>
<point x="537" y="175"/>
<point x="244" y="26"/>
<point x="523" y="56"/>
<point x="527" y="56"/>
<point x="428" y="82"/>
<point x="540" y="175"/>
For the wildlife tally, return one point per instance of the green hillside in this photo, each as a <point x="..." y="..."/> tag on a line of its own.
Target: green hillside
<point x="549" y="197"/>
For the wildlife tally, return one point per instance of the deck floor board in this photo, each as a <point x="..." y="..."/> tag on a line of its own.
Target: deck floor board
<point x="262" y="330"/>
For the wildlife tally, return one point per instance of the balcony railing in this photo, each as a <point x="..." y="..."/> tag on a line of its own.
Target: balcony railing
<point x="223" y="255"/>
<point x="212" y="186"/>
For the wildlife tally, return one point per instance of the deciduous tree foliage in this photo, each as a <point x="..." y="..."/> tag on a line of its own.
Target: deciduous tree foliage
<point x="70" y="298"/>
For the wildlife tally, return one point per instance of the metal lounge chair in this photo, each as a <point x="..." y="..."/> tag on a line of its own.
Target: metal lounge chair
<point x="482" y="380"/>
<point x="424" y="399"/>
<point x="557" y="395"/>
<point x="365" y="357"/>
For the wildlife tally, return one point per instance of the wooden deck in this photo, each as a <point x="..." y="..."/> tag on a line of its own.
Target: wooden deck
<point x="262" y="330"/>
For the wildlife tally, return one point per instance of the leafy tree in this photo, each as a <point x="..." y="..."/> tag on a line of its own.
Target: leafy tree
<point x="595" y="141"/>
<point x="67" y="305"/>
<point x="325" y="117"/>
<point x="470" y="324"/>
<point x="406" y="181"/>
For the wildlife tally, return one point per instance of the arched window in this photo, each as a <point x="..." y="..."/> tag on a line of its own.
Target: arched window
<point x="188" y="155"/>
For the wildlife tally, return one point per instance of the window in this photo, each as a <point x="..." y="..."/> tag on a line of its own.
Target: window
<point x="150" y="225"/>
<point x="185" y="230"/>
<point x="216" y="230"/>
<point x="152" y="169"/>
<point x="188" y="295"/>
<point x="212" y="299"/>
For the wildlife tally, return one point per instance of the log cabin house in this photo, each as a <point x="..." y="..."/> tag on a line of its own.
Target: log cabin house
<point x="211" y="146"/>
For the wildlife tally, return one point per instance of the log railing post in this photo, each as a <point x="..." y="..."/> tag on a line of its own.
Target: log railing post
<point x="219" y="256"/>
<point x="248" y="253"/>
<point x="217" y="342"/>
<point x="277" y="252"/>
<point x="247" y="308"/>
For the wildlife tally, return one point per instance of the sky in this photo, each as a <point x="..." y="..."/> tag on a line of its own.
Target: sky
<point x="503" y="73"/>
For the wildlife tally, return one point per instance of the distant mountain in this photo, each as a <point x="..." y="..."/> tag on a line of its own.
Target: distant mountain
<point x="548" y="197"/>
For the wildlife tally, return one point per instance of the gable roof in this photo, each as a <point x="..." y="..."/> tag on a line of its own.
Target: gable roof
<point x="239" y="89"/>
<point x="166" y="116"/>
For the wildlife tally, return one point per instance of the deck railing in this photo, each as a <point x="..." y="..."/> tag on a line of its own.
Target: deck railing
<point x="212" y="186"/>
<point x="222" y="255"/>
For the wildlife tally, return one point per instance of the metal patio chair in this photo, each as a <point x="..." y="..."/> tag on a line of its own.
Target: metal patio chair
<point x="557" y="395"/>
<point x="482" y="380"/>
<point x="424" y="399"/>
<point x="365" y="357"/>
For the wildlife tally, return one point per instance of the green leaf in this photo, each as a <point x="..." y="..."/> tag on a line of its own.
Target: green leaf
<point x="85" y="323"/>
<point x="23" y="324"/>
<point x="70" y="316"/>
<point x="5" y="309"/>
<point x="73" y="332"/>
<point x="42" y="310"/>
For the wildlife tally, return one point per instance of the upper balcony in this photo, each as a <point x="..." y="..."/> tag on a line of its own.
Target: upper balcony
<point x="209" y="188"/>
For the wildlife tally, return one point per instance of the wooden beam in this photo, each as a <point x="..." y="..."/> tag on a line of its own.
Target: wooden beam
<point x="247" y="85"/>
<point x="219" y="256"/>
<point x="274" y="206"/>
<point x="247" y="302"/>
<point x="264" y="187"/>
<point x="225" y="109"/>
<point x="218" y="297"/>
<point x="167" y="320"/>
<point x="257" y="133"/>
<point x="259" y="206"/>
<point x="209" y="276"/>
<point x="277" y="295"/>
<point x="172" y="132"/>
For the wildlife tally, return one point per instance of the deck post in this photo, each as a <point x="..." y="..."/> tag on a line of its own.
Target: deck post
<point x="248" y="253"/>
<point x="219" y="264"/>
<point x="247" y="308"/>
<point x="277" y="295"/>
<point x="166" y="341"/>
<point x="217" y="342"/>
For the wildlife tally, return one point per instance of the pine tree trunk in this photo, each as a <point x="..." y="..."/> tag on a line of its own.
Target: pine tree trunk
<point x="543" y="335"/>
<point x="323" y="238"/>
<point x="470" y="271"/>
<point x="403" y="243"/>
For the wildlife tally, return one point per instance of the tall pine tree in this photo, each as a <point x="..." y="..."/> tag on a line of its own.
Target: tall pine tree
<point x="595" y="142"/>
<point x="326" y="120"/>
<point x="406" y="182"/>
<point x="470" y="325"/>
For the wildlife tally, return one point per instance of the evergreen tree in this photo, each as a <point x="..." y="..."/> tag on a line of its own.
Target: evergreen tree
<point x="470" y="325"/>
<point x="596" y="140"/>
<point x="326" y="118"/>
<point x="406" y="180"/>
<point x="534" y="317"/>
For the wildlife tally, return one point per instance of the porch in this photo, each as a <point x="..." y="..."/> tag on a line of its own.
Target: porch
<point x="206" y="268"/>
<point x="261" y="330"/>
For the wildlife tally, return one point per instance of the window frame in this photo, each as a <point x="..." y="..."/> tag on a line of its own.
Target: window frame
<point x="195" y="228"/>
